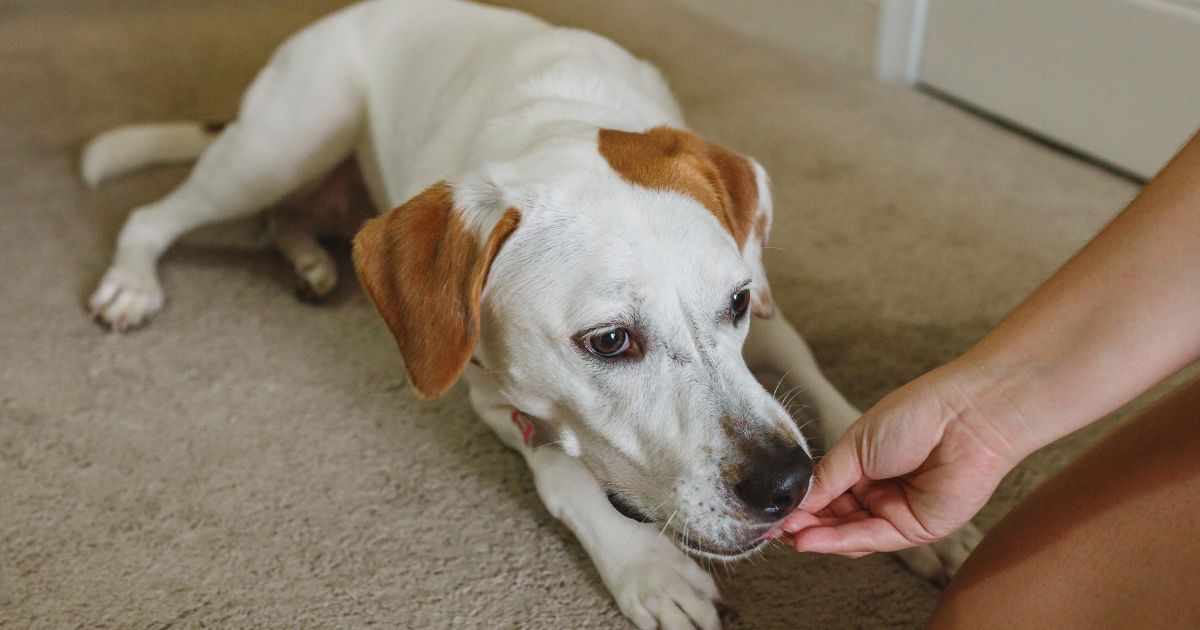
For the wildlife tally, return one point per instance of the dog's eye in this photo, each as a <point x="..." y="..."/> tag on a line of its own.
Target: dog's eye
<point x="738" y="303"/>
<point x="609" y="343"/>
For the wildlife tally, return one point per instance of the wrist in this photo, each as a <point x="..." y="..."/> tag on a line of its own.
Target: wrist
<point x="998" y="403"/>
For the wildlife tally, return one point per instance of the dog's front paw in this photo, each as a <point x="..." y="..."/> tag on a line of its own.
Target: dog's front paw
<point x="657" y="586"/>
<point x="939" y="561"/>
<point x="126" y="298"/>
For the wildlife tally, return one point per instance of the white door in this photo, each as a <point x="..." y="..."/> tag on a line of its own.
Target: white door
<point x="1118" y="80"/>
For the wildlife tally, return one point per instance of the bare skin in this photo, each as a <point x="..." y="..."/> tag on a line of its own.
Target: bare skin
<point x="1112" y="541"/>
<point x="1118" y="318"/>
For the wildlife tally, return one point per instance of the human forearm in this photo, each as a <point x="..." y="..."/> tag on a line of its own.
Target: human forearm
<point x="1122" y="315"/>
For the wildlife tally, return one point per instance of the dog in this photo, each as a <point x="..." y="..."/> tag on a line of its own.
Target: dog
<point x="558" y="238"/>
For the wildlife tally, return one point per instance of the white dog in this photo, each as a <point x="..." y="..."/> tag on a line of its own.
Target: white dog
<point x="559" y="238"/>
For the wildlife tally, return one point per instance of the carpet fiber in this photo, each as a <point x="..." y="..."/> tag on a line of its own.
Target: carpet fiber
<point x="251" y="461"/>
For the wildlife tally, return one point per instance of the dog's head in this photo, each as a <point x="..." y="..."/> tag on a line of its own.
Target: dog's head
<point x="607" y="281"/>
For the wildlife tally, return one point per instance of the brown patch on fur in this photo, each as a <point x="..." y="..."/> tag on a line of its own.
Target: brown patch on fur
<point x="760" y="303"/>
<point x="425" y="273"/>
<point x="738" y="431"/>
<point x="752" y="444"/>
<point x="760" y="229"/>
<point x="762" y="307"/>
<point x="780" y="432"/>
<point x="734" y="427"/>
<point x="670" y="159"/>
<point x="722" y="181"/>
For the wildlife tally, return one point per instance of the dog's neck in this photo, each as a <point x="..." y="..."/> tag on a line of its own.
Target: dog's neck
<point x="535" y="432"/>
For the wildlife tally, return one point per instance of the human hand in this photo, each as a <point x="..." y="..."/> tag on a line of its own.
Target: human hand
<point x="913" y="469"/>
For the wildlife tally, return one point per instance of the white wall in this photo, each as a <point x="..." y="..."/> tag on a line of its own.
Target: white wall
<point x="1118" y="80"/>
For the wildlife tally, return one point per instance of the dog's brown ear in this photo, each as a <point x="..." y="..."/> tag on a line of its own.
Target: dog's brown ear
<point x="732" y="187"/>
<point x="747" y="215"/>
<point x="425" y="271"/>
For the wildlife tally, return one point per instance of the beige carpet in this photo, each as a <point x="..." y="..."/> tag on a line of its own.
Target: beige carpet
<point x="250" y="461"/>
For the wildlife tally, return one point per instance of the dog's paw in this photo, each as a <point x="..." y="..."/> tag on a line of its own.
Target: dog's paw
<point x="658" y="586"/>
<point x="939" y="561"/>
<point x="126" y="298"/>
<point x="316" y="276"/>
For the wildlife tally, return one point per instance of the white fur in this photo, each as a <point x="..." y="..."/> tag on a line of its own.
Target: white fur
<point x="131" y="148"/>
<point x="506" y="108"/>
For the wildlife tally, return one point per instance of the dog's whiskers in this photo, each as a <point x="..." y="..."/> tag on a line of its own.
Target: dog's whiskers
<point x="667" y="524"/>
<point x="781" y="378"/>
<point x="791" y="395"/>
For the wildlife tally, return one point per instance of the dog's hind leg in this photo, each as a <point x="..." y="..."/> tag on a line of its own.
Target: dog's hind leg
<point x="299" y="119"/>
<point x="315" y="269"/>
<point x="336" y="208"/>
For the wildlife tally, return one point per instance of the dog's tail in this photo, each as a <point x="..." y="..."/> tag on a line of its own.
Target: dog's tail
<point x="125" y="150"/>
<point x="131" y="148"/>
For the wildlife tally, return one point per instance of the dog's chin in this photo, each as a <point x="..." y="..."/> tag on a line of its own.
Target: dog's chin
<point x="700" y="550"/>
<point x="720" y="554"/>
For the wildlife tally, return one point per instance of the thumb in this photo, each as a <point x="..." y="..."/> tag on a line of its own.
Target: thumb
<point x="836" y="472"/>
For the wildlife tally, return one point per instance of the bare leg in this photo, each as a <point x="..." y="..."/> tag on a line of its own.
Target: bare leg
<point x="1112" y="541"/>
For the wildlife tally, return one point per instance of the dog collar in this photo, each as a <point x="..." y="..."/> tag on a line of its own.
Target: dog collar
<point x="524" y="425"/>
<point x="535" y="432"/>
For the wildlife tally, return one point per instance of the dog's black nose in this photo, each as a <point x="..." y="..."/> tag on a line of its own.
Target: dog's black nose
<point x="775" y="480"/>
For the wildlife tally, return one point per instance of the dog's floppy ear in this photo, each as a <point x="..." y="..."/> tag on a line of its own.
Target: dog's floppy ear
<point x="756" y="242"/>
<point x="748" y="217"/>
<point x="734" y="188"/>
<point x="425" y="270"/>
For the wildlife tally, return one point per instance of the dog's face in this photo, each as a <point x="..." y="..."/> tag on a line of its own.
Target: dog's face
<point x="617" y="312"/>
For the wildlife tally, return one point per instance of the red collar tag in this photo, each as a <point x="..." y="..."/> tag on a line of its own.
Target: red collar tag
<point x="527" y="424"/>
<point x="524" y="425"/>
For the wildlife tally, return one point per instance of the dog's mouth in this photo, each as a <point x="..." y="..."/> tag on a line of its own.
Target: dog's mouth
<point x="724" y="554"/>
<point x="627" y="509"/>
<point x="694" y="547"/>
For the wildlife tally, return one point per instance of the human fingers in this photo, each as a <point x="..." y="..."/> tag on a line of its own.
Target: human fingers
<point x="836" y="472"/>
<point x="866" y="535"/>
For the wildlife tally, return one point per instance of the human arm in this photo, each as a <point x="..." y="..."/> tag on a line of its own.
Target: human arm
<point x="1120" y="316"/>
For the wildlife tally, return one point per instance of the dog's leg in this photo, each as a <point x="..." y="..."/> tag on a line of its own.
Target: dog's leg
<point x="337" y="207"/>
<point x="654" y="583"/>
<point x="773" y="345"/>
<point x="299" y="119"/>
<point x="315" y="269"/>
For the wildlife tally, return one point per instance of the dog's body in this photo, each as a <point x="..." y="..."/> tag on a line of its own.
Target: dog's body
<point x="559" y="239"/>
